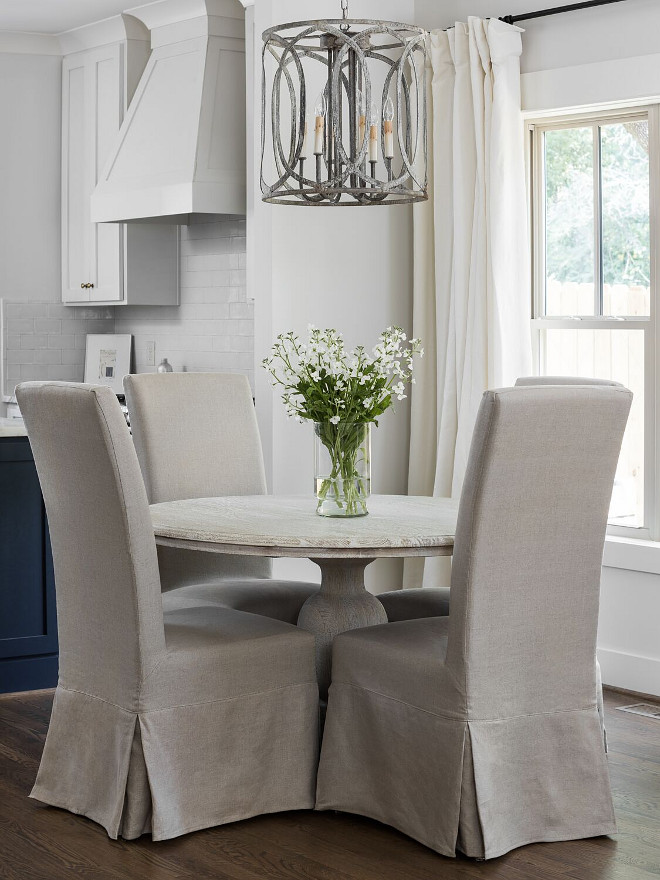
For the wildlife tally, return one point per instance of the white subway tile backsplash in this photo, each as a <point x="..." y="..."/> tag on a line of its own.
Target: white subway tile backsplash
<point x="73" y="356"/>
<point x="33" y="340"/>
<point x="242" y="310"/>
<point x="20" y="325"/>
<point x="242" y="343"/>
<point x="20" y="356"/>
<point x="38" y="349"/>
<point x="210" y="262"/>
<point x="65" y="372"/>
<point x="48" y="356"/>
<point x="211" y="330"/>
<point x="61" y="340"/>
<point x="47" y="325"/>
<point x="213" y="327"/>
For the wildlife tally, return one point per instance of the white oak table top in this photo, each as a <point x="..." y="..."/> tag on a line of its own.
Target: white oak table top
<point x="288" y="525"/>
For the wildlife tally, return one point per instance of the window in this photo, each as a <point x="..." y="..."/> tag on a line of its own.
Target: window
<point x="593" y="182"/>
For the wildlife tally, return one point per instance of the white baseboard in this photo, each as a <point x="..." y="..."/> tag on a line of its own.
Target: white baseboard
<point x="629" y="671"/>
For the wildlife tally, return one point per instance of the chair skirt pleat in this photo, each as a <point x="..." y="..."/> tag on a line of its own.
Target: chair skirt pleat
<point x="392" y="762"/>
<point x="86" y="758"/>
<point x="168" y="772"/>
<point x="219" y="762"/>
<point x="540" y="778"/>
<point x="480" y="787"/>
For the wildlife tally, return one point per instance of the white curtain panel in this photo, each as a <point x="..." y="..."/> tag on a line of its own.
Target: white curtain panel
<point x="471" y="304"/>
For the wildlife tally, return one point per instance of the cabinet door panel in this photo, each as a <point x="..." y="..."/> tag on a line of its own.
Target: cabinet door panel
<point x="107" y="109"/>
<point x="75" y="183"/>
<point x="28" y="627"/>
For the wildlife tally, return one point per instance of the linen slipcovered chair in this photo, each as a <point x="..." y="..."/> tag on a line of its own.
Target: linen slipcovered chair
<point x="479" y="731"/>
<point x="419" y="602"/>
<point x="434" y="601"/>
<point x="415" y="602"/>
<point x="576" y="380"/>
<point x="196" y="436"/>
<point x="161" y="722"/>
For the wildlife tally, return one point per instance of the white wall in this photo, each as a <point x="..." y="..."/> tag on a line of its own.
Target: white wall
<point x="30" y="102"/>
<point x="348" y="268"/>
<point x="628" y="631"/>
<point x="592" y="56"/>
<point x="620" y="30"/>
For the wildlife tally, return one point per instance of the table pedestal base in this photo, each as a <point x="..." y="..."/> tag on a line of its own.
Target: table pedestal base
<point x="341" y="604"/>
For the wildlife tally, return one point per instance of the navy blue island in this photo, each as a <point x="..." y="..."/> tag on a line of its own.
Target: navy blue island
<point x="28" y="624"/>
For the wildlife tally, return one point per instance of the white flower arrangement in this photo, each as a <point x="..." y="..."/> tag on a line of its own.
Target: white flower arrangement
<point x="342" y="392"/>
<point x="323" y="382"/>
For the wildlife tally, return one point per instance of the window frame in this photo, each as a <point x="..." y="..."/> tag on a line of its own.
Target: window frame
<point x="536" y="129"/>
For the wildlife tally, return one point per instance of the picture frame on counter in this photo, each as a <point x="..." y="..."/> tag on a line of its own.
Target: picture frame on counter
<point x="108" y="359"/>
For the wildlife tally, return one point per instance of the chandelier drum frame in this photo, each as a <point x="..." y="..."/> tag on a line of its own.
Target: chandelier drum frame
<point x="347" y="48"/>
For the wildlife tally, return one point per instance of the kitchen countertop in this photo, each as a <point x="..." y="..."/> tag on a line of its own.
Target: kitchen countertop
<point x="12" y="428"/>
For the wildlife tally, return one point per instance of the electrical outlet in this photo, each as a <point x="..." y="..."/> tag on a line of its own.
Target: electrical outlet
<point x="150" y="354"/>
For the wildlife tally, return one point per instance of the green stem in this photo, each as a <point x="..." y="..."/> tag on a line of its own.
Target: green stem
<point x="345" y="485"/>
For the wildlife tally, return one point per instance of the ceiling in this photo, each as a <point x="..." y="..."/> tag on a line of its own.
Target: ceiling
<point x="55" y="16"/>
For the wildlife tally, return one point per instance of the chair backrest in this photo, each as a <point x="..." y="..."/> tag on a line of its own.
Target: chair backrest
<point x="529" y="544"/>
<point x="195" y="434"/>
<point x="109" y="610"/>
<point x="564" y="380"/>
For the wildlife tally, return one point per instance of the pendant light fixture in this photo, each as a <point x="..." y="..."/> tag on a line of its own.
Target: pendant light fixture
<point x="343" y="118"/>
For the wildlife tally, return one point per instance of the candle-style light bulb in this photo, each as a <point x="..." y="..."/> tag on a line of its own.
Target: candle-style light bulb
<point x="321" y="106"/>
<point x="388" y="116"/>
<point x="373" y="132"/>
<point x="320" y="110"/>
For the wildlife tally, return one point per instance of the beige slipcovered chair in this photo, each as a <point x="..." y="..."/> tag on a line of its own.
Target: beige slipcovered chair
<point x="434" y="601"/>
<point x="161" y="722"/>
<point x="415" y="602"/>
<point x="196" y="436"/>
<point x="577" y="380"/>
<point x="480" y="731"/>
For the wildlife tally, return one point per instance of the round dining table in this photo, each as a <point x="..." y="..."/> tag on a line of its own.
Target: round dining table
<point x="288" y="526"/>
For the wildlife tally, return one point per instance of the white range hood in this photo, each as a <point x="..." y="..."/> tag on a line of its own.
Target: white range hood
<point x="180" y="151"/>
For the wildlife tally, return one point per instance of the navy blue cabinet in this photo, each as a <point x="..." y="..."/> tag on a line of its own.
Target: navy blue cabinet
<point x="28" y="626"/>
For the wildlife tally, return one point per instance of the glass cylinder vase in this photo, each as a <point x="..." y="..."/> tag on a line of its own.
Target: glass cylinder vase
<point x="342" y="468"/>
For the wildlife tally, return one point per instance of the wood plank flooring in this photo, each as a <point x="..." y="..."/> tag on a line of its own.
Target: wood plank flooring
<point x="41" y="843"/>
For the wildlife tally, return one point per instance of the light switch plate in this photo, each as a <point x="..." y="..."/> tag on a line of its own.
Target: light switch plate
<point x="150" y="354"/>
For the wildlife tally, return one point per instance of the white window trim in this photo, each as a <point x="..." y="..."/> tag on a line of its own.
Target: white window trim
<point x="632" y="554"/>
<point x="640" y="544"/>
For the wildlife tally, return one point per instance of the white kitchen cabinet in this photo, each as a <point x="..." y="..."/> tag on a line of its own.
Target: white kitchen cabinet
<point x="106" y="263"/>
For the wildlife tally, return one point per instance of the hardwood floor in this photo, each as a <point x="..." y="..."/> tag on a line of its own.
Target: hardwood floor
<point x="41" y="843"/>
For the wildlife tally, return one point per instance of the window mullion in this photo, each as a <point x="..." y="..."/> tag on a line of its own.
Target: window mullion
<point x="652" y="385"/>
<point x="598" y="224"/>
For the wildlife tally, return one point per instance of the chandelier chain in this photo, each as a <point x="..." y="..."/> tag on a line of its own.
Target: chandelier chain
<point x="344" y="8"/>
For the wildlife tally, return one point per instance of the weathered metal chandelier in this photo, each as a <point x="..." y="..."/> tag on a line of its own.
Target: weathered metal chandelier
<point x="363" y="140"/>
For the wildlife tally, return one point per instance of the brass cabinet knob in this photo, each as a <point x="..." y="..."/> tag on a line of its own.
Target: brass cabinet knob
<point x="90" y="285"/>
<point x="87" y="286"/>
<point x="83" y="286"/>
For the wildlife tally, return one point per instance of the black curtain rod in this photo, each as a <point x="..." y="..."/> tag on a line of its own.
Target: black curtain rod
<point x="542" y="13"/>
